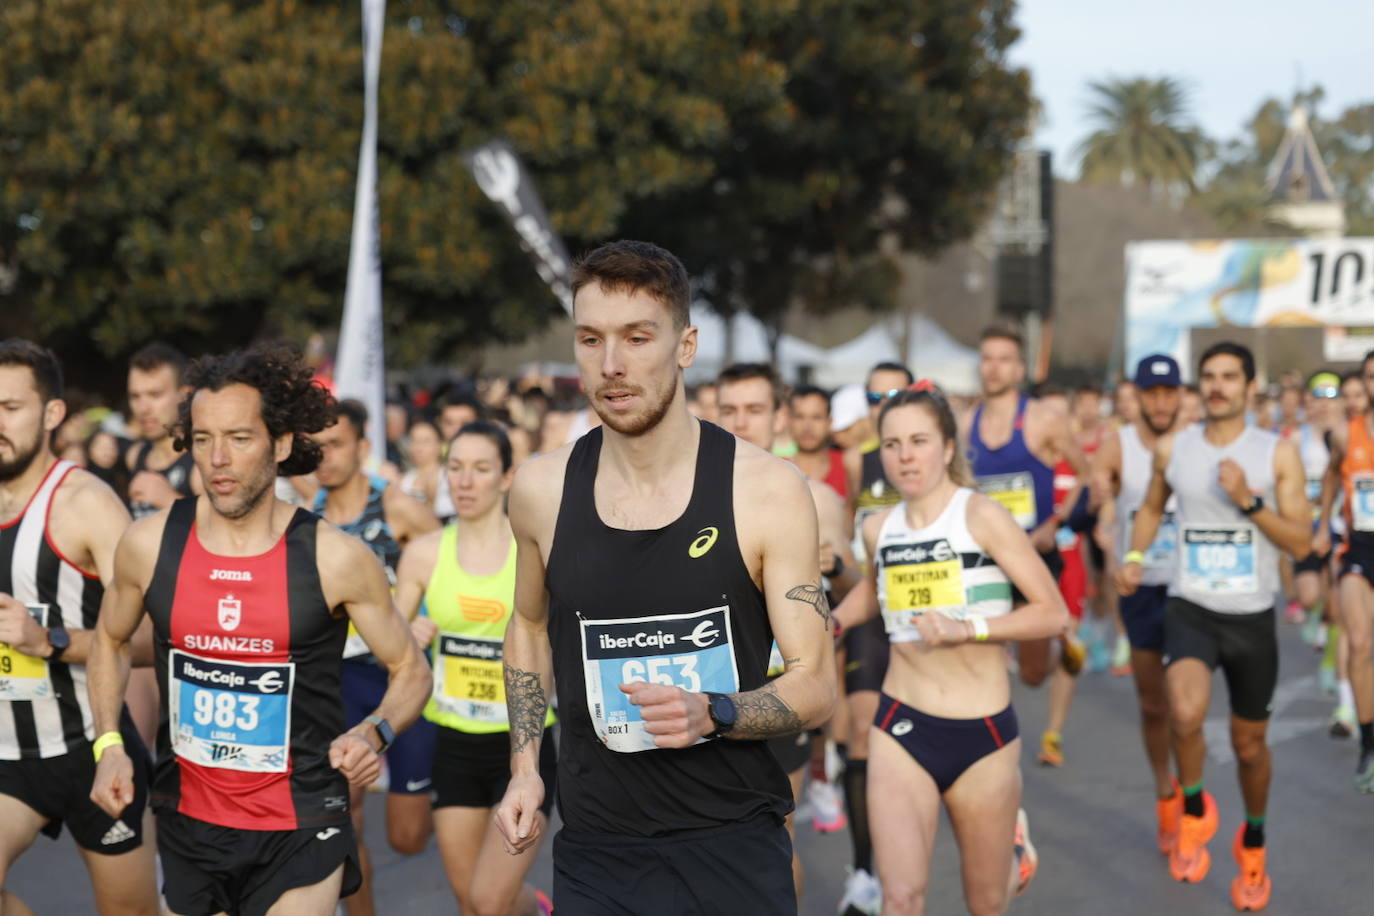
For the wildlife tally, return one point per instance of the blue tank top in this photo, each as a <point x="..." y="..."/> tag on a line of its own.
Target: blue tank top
<point x="371" y="527"/>
<point x="1012" y="474"/>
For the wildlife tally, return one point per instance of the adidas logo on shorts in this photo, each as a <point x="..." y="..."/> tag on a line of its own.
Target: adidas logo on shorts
<point x="117" y="834"/>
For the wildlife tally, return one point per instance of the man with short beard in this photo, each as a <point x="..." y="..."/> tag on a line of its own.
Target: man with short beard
<point x="385" y="518"/>
<point x="658" y="559"/>
<point x="1015" y="445"/>
<point x="1240" y="500"/>
<point x="161" y="474"/>
<point x="58" y="529"/>
<point x="1121" y="475"/>
<point x="809" y="423"/>
<point x="250" y="599"/>
<point x="750" y="398"/>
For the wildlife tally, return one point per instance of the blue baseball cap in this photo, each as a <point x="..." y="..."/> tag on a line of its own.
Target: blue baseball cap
<point x="1157" y="370"/>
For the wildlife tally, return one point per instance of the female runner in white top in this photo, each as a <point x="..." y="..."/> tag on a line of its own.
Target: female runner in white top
<point x="944" y="561"/>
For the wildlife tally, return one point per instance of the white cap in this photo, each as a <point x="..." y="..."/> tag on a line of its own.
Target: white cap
<point x="848" y="405"/>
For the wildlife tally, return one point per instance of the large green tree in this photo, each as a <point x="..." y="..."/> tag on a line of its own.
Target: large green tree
<point x="1142" y="135"/>
<point x="187" y="170"/>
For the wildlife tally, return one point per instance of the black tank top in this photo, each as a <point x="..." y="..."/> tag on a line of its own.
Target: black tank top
<point x="672" y="605"/>
<point x="178" y="475"/>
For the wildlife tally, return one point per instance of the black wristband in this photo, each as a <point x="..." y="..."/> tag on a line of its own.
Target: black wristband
<point x="837" y="570"/>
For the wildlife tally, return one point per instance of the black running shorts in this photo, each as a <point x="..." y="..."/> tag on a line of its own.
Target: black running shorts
<point x="738" y="868"/>
<point x="212" y="869"/>
<point x="472" y="771"/>
<point x="59" y="788"/>
<point x="866" y="653"/>
<point x="1244" y="645"/>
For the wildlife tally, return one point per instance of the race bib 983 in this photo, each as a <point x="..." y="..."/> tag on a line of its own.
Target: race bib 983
<point x="230" y="715"/>
<point x="691" y="651"/>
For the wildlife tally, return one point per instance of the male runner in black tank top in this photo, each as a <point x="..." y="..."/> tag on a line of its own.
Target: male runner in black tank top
<point x="58" y="530"/>
<point x="658" y="559"/>
<point x="750" y="397"/>
<point x="249" y="600"/>
<point x="159" y="475"/>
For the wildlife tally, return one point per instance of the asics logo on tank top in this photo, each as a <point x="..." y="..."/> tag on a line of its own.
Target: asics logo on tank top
<point x="373" y="529"/>
<point x="230" y="575"/>
<point x="230" y="612"/>
<point x="706" y="539"/>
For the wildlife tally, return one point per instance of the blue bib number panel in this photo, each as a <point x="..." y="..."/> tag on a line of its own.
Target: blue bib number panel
<point x="691" y="651"/>
<point x="230" y="715"/>
<point x="1220" y="560"/>
<point x="1362" y="504"/>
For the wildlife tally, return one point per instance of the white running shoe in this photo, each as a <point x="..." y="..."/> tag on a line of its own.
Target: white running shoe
<point x="863" y="895"/>
<point x="827" y="807"/>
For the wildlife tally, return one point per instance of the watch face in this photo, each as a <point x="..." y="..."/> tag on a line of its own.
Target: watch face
<point x="723" y="710"/>
<point x="59" y="638"/>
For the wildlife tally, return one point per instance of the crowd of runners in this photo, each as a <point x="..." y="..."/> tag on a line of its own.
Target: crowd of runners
<point x="694" y="621"/>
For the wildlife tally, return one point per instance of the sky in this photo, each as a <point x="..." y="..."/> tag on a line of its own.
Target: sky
<point x="1230" y="55"/>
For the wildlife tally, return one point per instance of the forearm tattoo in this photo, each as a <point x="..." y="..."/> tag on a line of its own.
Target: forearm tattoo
<point x="526" y="707"/>
<point x="812" y="594"/>
<point x="763" y="714"/>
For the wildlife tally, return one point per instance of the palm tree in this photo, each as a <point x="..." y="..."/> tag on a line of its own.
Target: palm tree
<point x="1143" y="135"/>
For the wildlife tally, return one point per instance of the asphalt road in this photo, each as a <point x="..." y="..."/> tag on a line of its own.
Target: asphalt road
<point x="1092" y="822"/>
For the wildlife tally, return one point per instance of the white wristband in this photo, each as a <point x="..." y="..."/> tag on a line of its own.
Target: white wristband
<point x="980" y="629"/>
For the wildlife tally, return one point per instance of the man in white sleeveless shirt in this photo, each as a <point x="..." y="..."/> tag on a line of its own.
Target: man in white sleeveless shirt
<point x="1241" y="500"/>
<point x="1122" y="469"/>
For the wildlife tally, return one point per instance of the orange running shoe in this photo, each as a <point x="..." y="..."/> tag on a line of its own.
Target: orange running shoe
<point x="1251" y="888"/>
<point x="1189" y="860"/>
<point x="1052" y="749"/>
<point x="1168" y="811"/>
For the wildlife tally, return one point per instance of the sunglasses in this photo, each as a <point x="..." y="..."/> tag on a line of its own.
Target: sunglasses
<point x="877" y="397"/>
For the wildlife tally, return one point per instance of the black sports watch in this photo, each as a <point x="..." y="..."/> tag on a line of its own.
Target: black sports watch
<point x="384" y="732"/>
<point x="60" y="641"/>
<point x="1256" y="504"/>
<point x="723" y="713"/>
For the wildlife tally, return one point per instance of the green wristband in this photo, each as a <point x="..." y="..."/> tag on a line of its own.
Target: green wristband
<point x="1134" y="556"/>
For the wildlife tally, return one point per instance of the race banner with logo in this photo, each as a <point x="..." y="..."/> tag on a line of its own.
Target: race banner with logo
<point x="501" y="177"/>
<point x="1174" y="286"/>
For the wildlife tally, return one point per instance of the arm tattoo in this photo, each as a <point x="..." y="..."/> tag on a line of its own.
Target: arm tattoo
<point x="526" y="705"/>
<point x="812" y="594"/>
<point x="763" y="714"/>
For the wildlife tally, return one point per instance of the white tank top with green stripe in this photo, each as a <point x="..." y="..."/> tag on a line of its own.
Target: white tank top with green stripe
<point x="471" y="613"/>
<point x="937" y="568"/>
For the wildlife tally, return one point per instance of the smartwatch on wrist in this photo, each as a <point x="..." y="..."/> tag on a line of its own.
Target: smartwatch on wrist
<point x="60" y="641"/>
<point x="384" y="733"/>
<point x="722" y="712"/>
<point x="1256" y="504"/>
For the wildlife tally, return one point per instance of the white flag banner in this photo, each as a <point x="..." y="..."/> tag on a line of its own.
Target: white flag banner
<point x="360" y="371"/>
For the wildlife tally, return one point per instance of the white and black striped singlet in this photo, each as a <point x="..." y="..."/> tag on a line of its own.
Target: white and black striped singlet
<point x="44" y="711"/>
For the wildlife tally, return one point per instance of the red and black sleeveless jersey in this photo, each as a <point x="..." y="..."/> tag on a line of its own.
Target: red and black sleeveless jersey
<point x="248" y="660"/>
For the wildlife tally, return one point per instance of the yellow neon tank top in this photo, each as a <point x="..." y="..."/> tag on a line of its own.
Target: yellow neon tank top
<point x="471" y="613"/>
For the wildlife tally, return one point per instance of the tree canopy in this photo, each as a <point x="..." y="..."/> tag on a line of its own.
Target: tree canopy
<point x="186" y="171"/>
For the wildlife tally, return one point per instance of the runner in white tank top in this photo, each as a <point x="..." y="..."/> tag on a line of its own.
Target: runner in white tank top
<point x="944" y="563"/>
<point x="1122" y="468"/>
<point x="1240" y="501"/>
